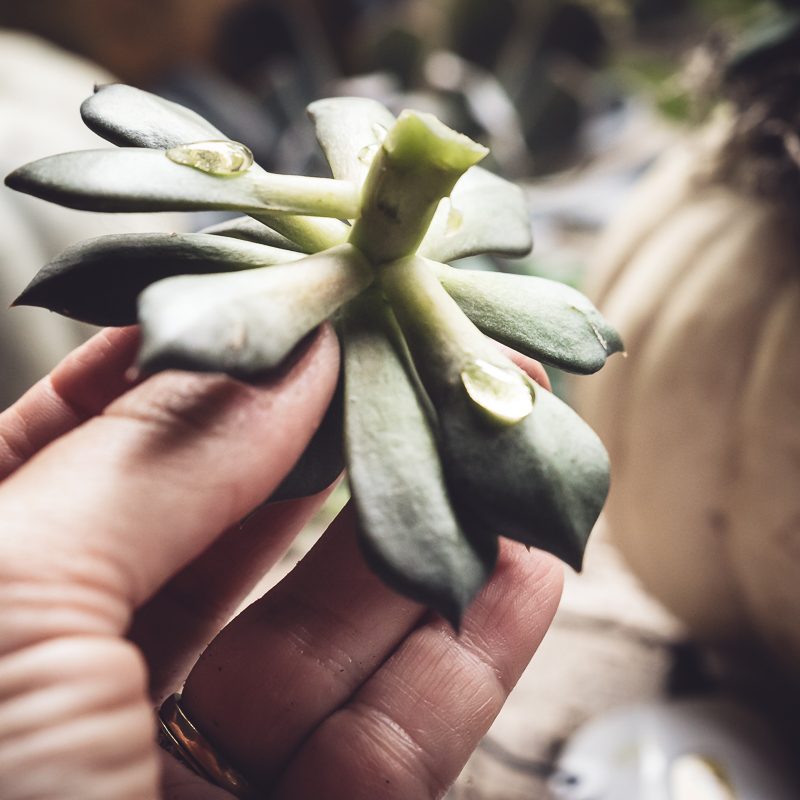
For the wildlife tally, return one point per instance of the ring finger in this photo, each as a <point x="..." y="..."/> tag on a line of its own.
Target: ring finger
<point x="293" y="657"/>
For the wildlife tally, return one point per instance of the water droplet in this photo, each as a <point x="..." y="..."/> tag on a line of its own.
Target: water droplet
<point x="454" y="220"/>
<point x="222" y="158"/>
<point x="368" y="152"/>
<point x="503" y="393"/>
<point x="379" y="132"/>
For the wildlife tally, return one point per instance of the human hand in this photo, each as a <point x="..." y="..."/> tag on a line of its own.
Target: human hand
<point x="122" y="556"/>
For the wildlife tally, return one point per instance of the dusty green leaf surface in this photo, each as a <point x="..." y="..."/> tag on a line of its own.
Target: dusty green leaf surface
<point x="134" y="179"/>
<point x="484" y="214"/>
<point x="99" y="281"/>
<point x="244" y="323"/>
<point x="540" y="318"/>
<point x="409" y="528"/>
<point x="542" y="481"/>
<point x="350" y="130"/>
<point x="537" y="473"/>
<point x="126" y="116"/>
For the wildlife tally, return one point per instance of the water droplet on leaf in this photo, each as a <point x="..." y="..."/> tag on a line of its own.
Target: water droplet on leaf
<point x="503" y="393"/>
<point x="222" y="158"/>
<point x="368" y="152"/>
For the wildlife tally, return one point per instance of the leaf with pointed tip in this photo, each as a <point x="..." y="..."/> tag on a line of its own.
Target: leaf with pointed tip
<point x="322" y="462"/>
<point x="541" y="318"/>
<point x="244" y="323"/>
<point x="484" y="214"/>
<point x="99" y="280"/>
<point x="251" y="230"/>
<point x="410" y="533"/>
<point x="532" y="471"/>
<point x="131" y="117"/>
<point x="542" y="481"/>
<point x="131" y="179"/>
<point x="350" y="130"/>
<point x="127" y="116"/>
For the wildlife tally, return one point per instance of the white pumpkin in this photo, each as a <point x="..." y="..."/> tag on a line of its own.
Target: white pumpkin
<point x="702" y="419"/>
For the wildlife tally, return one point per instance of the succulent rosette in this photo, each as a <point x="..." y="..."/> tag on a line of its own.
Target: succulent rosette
<point x="447" y="443"/>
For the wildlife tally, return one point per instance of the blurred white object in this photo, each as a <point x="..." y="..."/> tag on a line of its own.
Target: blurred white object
<point x="689" y="750"/>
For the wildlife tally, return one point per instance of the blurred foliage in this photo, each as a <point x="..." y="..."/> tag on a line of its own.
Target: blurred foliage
<point x="548" y="55"/>
<point x="555" y="63"/>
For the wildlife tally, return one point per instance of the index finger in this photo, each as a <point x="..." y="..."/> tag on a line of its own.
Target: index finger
<point x="104" y="515"/>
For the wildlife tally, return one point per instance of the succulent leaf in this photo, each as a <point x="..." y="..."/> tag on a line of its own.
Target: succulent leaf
<point x="126" y="116"/>
<point x="131" y="117"/>
<point x="322" y="462"/>
<point x="99" y="280"/>
<point x="350" y="131"/>
<point x="539" y="475"/>
<point x="130" y="179"/>
<point x="410" y="532"/>
<point x="541" y="318"/>
<point x="251" y="230"/>
<point x="542" y="481"/>
<point x="244" y="323"/>
<point x="484" y="214"/>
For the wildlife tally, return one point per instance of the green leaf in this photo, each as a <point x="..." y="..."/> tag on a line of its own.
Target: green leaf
<point x="244" y="323"/>
<point x="484" y="214"/>
<point x="131" y="117"/>
<point x="542" y="481"/>
<point x="99" y="280"/>
<point x="251" y="230"/>
<point x="350" y="130"/>
<point x="127" y="116"/>
<point x="539" y="317"/>
<point x="410" y="533"/>
<point x="322" y="461"/>
<point x="131" y="179"/>
<point x="533" y="471"/>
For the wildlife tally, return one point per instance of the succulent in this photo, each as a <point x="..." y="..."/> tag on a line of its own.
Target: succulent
<point x="447" y="443"/>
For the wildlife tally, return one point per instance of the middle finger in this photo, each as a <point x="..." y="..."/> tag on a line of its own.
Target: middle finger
<point x="297" y="654"/>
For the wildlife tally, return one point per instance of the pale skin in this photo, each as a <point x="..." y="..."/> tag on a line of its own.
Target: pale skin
<point x="122" y="556"/>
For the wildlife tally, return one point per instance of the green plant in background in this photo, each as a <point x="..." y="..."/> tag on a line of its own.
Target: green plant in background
<point x="447" y="443"/>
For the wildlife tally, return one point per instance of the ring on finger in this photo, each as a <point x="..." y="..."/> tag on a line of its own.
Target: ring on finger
<point x="179" y="737"/>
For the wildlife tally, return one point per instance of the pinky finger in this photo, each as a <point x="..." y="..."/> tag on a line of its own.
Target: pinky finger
<point x="84" y="383"/>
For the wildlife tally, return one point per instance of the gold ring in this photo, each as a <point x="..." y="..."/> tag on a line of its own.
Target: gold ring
<point x="180" y="738"/>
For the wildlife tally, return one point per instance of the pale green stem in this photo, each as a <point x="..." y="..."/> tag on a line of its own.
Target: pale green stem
<point x="312" y="234"/>
<point x="320" y="197"/>
<point x="439" y="335"/>
<point x="417" y="165"/>
<point x="450" y="354"/>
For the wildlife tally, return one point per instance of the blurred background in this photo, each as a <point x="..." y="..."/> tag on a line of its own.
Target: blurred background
<point x="658" y="142"/>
